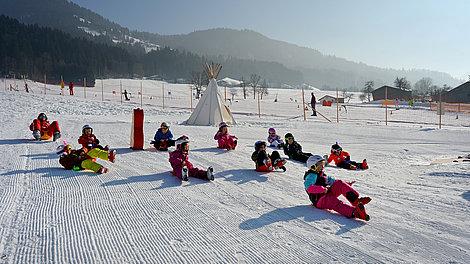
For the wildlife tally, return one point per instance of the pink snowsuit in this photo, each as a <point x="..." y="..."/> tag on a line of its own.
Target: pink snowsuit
<point x="225" y="141"/>
<point x="177" y="160"/>
<point x="317" y="183"/>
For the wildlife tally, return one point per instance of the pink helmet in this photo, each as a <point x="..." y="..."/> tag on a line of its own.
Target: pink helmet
<point x="271" y="130"/>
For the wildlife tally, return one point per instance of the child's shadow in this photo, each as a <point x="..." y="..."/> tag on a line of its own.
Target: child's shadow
<point x="21" y="141"/>
<point x="241" y="176"/>
<point x="50" y="172"/>
<point x="166" y="178"/>
<point x="307" y="212"/>
<point x="41" y="156"/>
<point x="122" y="151"/>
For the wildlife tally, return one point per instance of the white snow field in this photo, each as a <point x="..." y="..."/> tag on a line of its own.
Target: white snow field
<point x="140" y="213"/>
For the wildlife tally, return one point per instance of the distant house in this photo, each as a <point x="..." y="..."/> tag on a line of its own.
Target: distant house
<point x="229" y="82"/>
<point x="460" y="94"/>
<point x="392" y="93"/>
<point x="329" y="98"/>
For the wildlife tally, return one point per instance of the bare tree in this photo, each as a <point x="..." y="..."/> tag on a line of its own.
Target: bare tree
<point x="368" y="88"/>
<point x="362" y="97"/>
<point x="243" y="86"/>
<point x="423" y="86"/>
<point x="347" y="95"/>
<point x="233" y="93"/>
<point x="402" y="83"/>
<point x="263" y="89"/>
<point x="199" y="79"/>
<point x="254" y="80"/>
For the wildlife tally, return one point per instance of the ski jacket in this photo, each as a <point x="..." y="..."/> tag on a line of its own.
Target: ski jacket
<point x="260" y="158"/>
<point x="293" y="150"/>
<point x="220" y="136"/>
<point x="75" y="158"/>
<point x="317" y="183"/>
<point x="275" y="138"/>
<point x="159" y="135"/>
<point x="338" y="159"/>
<point x="41" y="125"/>
<point x="178" y="159"/>
<point x="88" y="141"/>
<point x="225" y="140"/>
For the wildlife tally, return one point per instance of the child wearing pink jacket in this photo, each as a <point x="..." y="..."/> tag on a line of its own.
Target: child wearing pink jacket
<point x="224" y="139"/>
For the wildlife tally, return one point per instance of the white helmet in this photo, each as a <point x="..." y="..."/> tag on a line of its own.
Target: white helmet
<point x="313" y="160"/>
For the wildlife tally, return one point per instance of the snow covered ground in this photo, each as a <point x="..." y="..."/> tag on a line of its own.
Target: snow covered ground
<point x="140" y="213"/>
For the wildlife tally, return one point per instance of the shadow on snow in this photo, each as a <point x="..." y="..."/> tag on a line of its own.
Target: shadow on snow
<point x="241" y="176"/>
<point x="50" y="172"/>
<point x="450" y="174"/>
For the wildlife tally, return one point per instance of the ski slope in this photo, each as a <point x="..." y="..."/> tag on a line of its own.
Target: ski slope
<point x="140" y="213"/>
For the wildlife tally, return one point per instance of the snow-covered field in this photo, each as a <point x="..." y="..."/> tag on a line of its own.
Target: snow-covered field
<point x="140" y="213"/>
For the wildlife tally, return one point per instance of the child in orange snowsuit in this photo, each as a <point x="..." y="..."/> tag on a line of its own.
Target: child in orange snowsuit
<point x="343" y="160"/>
<point x="42" y="130"/>
<point x="224" y="139"/>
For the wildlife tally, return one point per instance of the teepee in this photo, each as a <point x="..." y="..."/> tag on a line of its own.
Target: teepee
<point x="211" y="109"/>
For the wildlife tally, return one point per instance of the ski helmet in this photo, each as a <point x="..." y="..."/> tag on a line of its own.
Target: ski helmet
<point x="63" y="149"/>
<point x="222" y="124"/>
<point x="313" y="160"/>
<point x="42" y="116"/>
<point x="288" y="135"/>
<point x="336" y="147"/>
<point x="86" y="127"/>
<point x="164" y="124"/>
<point x="271" y="130"/>
<point x="181" y="142"/>
<point x="258" y="144"/>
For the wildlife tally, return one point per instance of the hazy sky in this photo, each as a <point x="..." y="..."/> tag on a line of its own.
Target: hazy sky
<point x="430" y="34"/>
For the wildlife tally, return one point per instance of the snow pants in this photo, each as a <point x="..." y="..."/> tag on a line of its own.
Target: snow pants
<point x="347" y="164"/>
<point x="330" y="200"/>
<point x="164" y="144"/>
<point x="192" y="172"/>
<point x="228" y="143"/>
<point x="48" y="132"/>
<point x="90" y="164"/>
<point x="302" y="157"/>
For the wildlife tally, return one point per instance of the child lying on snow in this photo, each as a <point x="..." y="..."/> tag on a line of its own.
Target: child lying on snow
<point x="294" y="149"/>
<point x="324" y="190"/>
<point x="182" y="167"/>
<point x="265" y="162"/>
<point x="88" y="140"/>
<point x="224" y="139"/>
<point x="343" y="160"/>
<point x="42" y="130"/>
<point x="274" y="139"/>
<point x="79" y="159"/>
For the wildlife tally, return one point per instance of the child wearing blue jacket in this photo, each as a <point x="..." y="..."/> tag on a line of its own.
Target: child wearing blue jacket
<point x="163" y="138"/>
<point x="324" y="191"/>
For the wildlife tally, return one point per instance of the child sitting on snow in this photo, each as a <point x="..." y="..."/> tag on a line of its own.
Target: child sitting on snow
<point x="163" y="138"/>
<point x="88" y="140"/>
<point x="274" y="139"/>
<point x="182" y="167"/>
<point x="343" y="160"/>
<point x="265" y="162"/>
<point x="78" y="159"/>
<point x="42" y="130"/>
<point x="224" y="139"/>
<point x="324" y="190"/>
<point x="294" y="149"/>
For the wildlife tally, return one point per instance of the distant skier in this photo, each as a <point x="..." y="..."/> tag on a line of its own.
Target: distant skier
<point x="88" y="140"/>
<point x="274" y="139"/>
<point x="126" y="95"/>
<point x="343" y="160"/>
<point x="26" y="87"/>
<point x="313" y="101"/>
<point x="79" y="159"/>
<point x="265" y="162"/>
<point x="71" y="88"/>
<point x="183" y="168"/>
<point x="224" y="139"/>
<point x="323" y="191"/>
<point x="294" y="150"/>
<point x="62" y="86"/>
<point x="42" y="130"/>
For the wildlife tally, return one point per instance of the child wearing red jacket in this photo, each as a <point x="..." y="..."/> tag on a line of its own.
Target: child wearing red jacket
<point x="323" y="191"/>
<point x="182" y="167"/>
<point x="343" y="160"/>
<point x="42" y="130"/>
<point x="88" y="140"/>
<point x="265" y="162"/>
<point x="224" y="139"/>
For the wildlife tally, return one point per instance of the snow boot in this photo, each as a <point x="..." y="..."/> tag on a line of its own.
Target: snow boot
<point x="360" y="212"/>
<point x="56" y="136"/>
<point x="102" y="170"/>
<point x="210" y="174"/>
<point x="279" y="163"/>
<point x="112" y="156"/>
<point x="364" y="165"/>
<point x="106" y="148"/>
<point x="362" y="200"/>
<point x="37" y="134"/>
<point x="184" y="174"/>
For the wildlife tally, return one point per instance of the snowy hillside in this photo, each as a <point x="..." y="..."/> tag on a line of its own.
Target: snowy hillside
<point x="140" y="213"/>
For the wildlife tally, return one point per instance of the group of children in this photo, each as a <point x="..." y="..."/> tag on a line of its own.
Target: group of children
<point x="323" y="190"/>
<point x="74" y="159"/>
